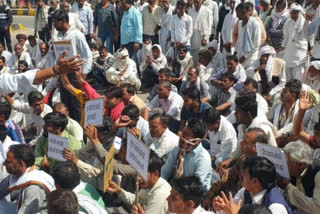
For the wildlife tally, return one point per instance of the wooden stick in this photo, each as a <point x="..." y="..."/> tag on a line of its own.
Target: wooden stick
<point x="136" y="202"/>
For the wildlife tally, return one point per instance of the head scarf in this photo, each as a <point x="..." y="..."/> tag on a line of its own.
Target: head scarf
<point x="122" y="63"/>
<point x="300" y="21"/>
<point x="160" y="58"/>
<point x="213" y="44"/>
<point x="269" y="66"/>
<point x="316" y="65"/>
<point x="278" y="16"/>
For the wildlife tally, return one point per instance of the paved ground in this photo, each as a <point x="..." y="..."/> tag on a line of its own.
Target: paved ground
<point x="27" y="22"/>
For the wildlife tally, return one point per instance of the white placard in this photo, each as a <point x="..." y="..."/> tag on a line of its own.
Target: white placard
<point x="94" y="112"/>
<point x="277" y="156"/>
<point x="61" y="46"/>
<point x="137" y="155"/>
<point x="56" y="146"/>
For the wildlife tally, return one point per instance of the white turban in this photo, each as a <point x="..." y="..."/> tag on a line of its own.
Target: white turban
<point x="122" y="52"/>
<point x="315" y="64"/>
<point x="295" y="6"/>
<point x="267" y="49"/>
<point x="213" y="44"/>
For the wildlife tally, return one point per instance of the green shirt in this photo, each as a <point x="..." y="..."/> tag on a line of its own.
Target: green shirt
<point x="42" y="148"/>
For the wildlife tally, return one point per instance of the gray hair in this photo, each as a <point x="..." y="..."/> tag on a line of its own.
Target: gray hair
<point x="299" y="152"/>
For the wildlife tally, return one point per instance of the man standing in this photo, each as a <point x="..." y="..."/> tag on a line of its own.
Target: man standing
<point x="249" y="36"/>
<point x="181" y="27"/>
<point x="41" y="21"/>
<point x="61" y="23"/>
<point x="5" y="22"/>
<point x="105" y="18"/>
<point x="150" y="20"/>
<point x="202" y="23"/>
<point x="86" y="18"/>
<point x="131" y="28"/>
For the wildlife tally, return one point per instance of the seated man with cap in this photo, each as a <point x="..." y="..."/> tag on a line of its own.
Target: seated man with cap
<point x="269" y="71"/>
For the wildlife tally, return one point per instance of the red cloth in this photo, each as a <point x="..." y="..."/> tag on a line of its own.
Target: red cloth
<point x="91" y="93"/>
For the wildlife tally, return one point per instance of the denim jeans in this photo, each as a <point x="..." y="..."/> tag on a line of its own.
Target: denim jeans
<point x="107" y="37"/>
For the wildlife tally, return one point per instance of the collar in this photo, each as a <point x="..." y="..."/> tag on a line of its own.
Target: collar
<point x="258" y="198"/>
<point x="157" y="186"/>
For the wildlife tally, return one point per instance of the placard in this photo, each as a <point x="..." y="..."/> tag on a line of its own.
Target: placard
<point x="60" y="46"/>
<point x="94" y="112"/>
<point x="137" y="155"/>
<point x="56" y="145"/>
<point x="277" y="156"/>
<point x="108" y="168"/>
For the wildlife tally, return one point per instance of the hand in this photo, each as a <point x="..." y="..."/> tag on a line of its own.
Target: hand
<point x="114" y="188"/>
<point x="242" y="59"/>
<point x="230" y="207"/>
<point x="304" y="101"/>
<point x="260" y="68"/>
<point x="65" y="66"/>
<point x="6" y="28"/>
<point x="218" y="83"/>
<point x="149" y="59"/>
<point x="169" y="39"/>
<point x="79" y="77"/>
<point x="309" y="16"/>
<point x="35" y="34"/>
<point x="224" y="164"/>
<point x="218" y="203"/>
<point x="227" y="46"/>
<point x="135" y="131"/>
<point x="136" y="46"/>
<point x="94" y="36"/>
<point x="45" y="163"/>
<point x="122" y="121"/>
<point x="70" y="156"/>
<point x="268" y="98"/>
<point x="224" y="172"/>
<point x="150" y="8"/>
<point x="309" y="53"/>
<point x="137" y="209"/>
<point x="204" y="42"/>
<point x="178" y="44"/>
<point x="92" y="133"/>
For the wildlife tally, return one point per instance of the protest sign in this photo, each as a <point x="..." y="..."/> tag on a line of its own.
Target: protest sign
<point x="108" y="168"/>
<point x="94" y="112"/>
<point x="56" y="146"/>
<point x="137" y="155"/>
<point x="60" y="46"/>
<point x="277" y="156"/>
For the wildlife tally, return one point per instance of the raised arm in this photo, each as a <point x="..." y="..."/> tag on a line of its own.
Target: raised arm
<point x="297" y="130"/>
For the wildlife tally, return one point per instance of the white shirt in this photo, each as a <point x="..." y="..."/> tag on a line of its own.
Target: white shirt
<point x="80" y="45"/>
<point x="263" y="107"/>
<point x="6" y="55"/>
<point x="4" y="70"/>
<point x="35" y="50"/>
<point x="172" y="106"/>
<point x="181" y="29"/>
<point x="46" y="61"/>
<point x="16" y="83"/>
<point x="202" y="24"/>
<point x="4" y="148"/>
<point x="74" y="129"/>
<point x="275" y="208"/>
<point x="163" y="145"/>
<point x="13" y="61"/>
<point x="37" y="119"/>
<point x="200" y="210"/>
<point x="224" y="141"/>
<point x="213" y="7"/>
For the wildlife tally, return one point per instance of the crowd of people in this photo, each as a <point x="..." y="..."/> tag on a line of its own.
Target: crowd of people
<point x="220" y="77"/>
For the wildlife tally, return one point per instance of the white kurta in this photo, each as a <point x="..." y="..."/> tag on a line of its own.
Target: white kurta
<point x="202" y="22"/>
<point x="229" y="22"/>
<point x="165" y="28"/>
<point x="249" y="39"/>
<point x="214" y="9"/>
<point x="129" y="76"/>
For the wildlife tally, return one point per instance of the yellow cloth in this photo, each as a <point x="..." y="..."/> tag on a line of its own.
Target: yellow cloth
<point x="80" y="97"/>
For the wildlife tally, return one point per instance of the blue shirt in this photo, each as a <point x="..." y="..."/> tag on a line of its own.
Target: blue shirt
<point x="105" y="18"/>
<point x="131" y="27"/>
<point x="187" y="115"/>
<point x="197" y="162"/>
<point x="86" y="18"/>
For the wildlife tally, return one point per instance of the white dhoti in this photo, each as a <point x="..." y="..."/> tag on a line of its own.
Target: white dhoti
<point x="165" y="45"/>
<point x="195" y="44"/>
